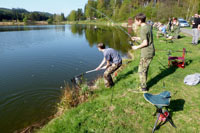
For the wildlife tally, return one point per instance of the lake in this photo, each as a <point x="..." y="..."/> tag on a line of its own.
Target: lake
<point x="36" y="60"/>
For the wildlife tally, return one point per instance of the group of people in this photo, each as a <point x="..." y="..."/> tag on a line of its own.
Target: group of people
<point x="113" y="60"/>
<point x="170" y="30"/>
<point x="195" y="29"/>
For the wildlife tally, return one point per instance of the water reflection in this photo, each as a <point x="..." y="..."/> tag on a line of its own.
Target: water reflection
<point x="78" y="29"/>
<point x="112" y="36"/>
<point x="32" y="27"/>
<point x="60" y="28"/>
<point x="35" y="60"/>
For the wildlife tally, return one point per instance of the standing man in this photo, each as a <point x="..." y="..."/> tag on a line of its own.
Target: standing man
<point x="169" y="24"/>
<point x="195" y="29"/>
<point x="113" y="61"/>
<point x="147" y="49"/>
<point x="176" y="28"/>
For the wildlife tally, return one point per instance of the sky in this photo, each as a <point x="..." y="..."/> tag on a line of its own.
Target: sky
<point x="51" y="6"/>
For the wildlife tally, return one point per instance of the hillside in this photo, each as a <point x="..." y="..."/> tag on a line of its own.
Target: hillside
<point x="20" y="14"/>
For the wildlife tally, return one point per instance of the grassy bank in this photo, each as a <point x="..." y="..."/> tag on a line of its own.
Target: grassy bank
<point x="99" y="22"/>
<point x="129" y="112"/>
<point x="64" y="22"/>
<point x="22" y="23"/>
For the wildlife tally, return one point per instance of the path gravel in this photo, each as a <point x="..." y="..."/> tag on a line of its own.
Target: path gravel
<point x="187" y="31"/>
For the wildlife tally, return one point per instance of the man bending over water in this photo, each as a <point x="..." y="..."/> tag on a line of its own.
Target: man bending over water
<point x="113" y="61"/>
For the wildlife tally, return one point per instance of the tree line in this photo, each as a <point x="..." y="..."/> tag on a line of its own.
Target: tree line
<point x="117" y="10"/>
<point x="121" y="10"/>
<point x="22" y="15"/>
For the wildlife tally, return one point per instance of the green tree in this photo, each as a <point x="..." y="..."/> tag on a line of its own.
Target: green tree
<point x="89" y="12"/>
<point x="115" y="6"/>
<point x="125" y="10"/>
<point x="34" y="16"/>
<point x="62" y="17"/>
<point x="79" y="14"/>
<point x="50" y="20"/>
<point x="72" y="16"/>
<point x="101" y="5"/>
<point x="199" y="8"/>
<point x="25" y="20"/>
<point x="57" y="18"/>
<point x="19" y="14"/>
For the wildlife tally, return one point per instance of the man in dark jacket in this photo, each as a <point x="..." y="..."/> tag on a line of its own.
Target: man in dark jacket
<point x="195" y="29"/>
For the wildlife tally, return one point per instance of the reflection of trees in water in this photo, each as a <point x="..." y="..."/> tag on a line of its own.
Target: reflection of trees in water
<point x="60" y="28"/>
<point x="77" y="29"/>
<point x="91" y="35"/>
<point x="113" y="37"/>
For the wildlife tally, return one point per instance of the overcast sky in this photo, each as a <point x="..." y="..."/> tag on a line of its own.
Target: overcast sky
<point x="51" y="6"/>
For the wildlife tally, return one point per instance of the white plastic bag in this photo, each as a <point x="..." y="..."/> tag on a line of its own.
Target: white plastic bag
<point x="192" y="79"/>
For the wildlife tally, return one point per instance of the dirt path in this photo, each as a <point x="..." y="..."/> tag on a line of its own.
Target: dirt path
<point x="187" y="31"/>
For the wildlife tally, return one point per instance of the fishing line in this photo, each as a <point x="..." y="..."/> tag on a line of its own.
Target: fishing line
<point x="110" y="20"/>
<point x="130" y="42"/>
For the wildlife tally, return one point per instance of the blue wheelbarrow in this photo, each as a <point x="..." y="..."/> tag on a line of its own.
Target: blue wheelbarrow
<point x="160" y="101"/>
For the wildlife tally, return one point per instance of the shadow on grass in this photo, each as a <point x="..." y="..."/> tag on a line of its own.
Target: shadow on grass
<point x="181" y="36"/>
<point x="165" y="72"/>
<point x="188" y="62"/>
<point x="175" y="106"/>
<point x="123" y="76"/>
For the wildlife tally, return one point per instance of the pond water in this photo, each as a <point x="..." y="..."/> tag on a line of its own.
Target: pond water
<point x="36" y="60"/>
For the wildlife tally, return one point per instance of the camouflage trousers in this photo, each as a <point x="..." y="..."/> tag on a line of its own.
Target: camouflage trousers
<point x="107" y="74"/>
<point x="143" y="71"/>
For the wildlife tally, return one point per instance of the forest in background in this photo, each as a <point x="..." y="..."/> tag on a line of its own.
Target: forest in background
<point x="121" y="10"/>
<point x="22" y="15"/>
<point x="117" y="10"/>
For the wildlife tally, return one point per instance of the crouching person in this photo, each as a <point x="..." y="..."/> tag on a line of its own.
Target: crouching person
<point x="113" y="61"/>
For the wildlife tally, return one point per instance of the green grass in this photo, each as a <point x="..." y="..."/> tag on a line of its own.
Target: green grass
<point x="93" y="22"/>
<point x="129" y="112"/>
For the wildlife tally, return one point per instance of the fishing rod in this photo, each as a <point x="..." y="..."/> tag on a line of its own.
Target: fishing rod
<point x="130" y="42"/>
<point x="172" y="50"/>
<point x="76" y="79"/>
<point x="94" y="70"/>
